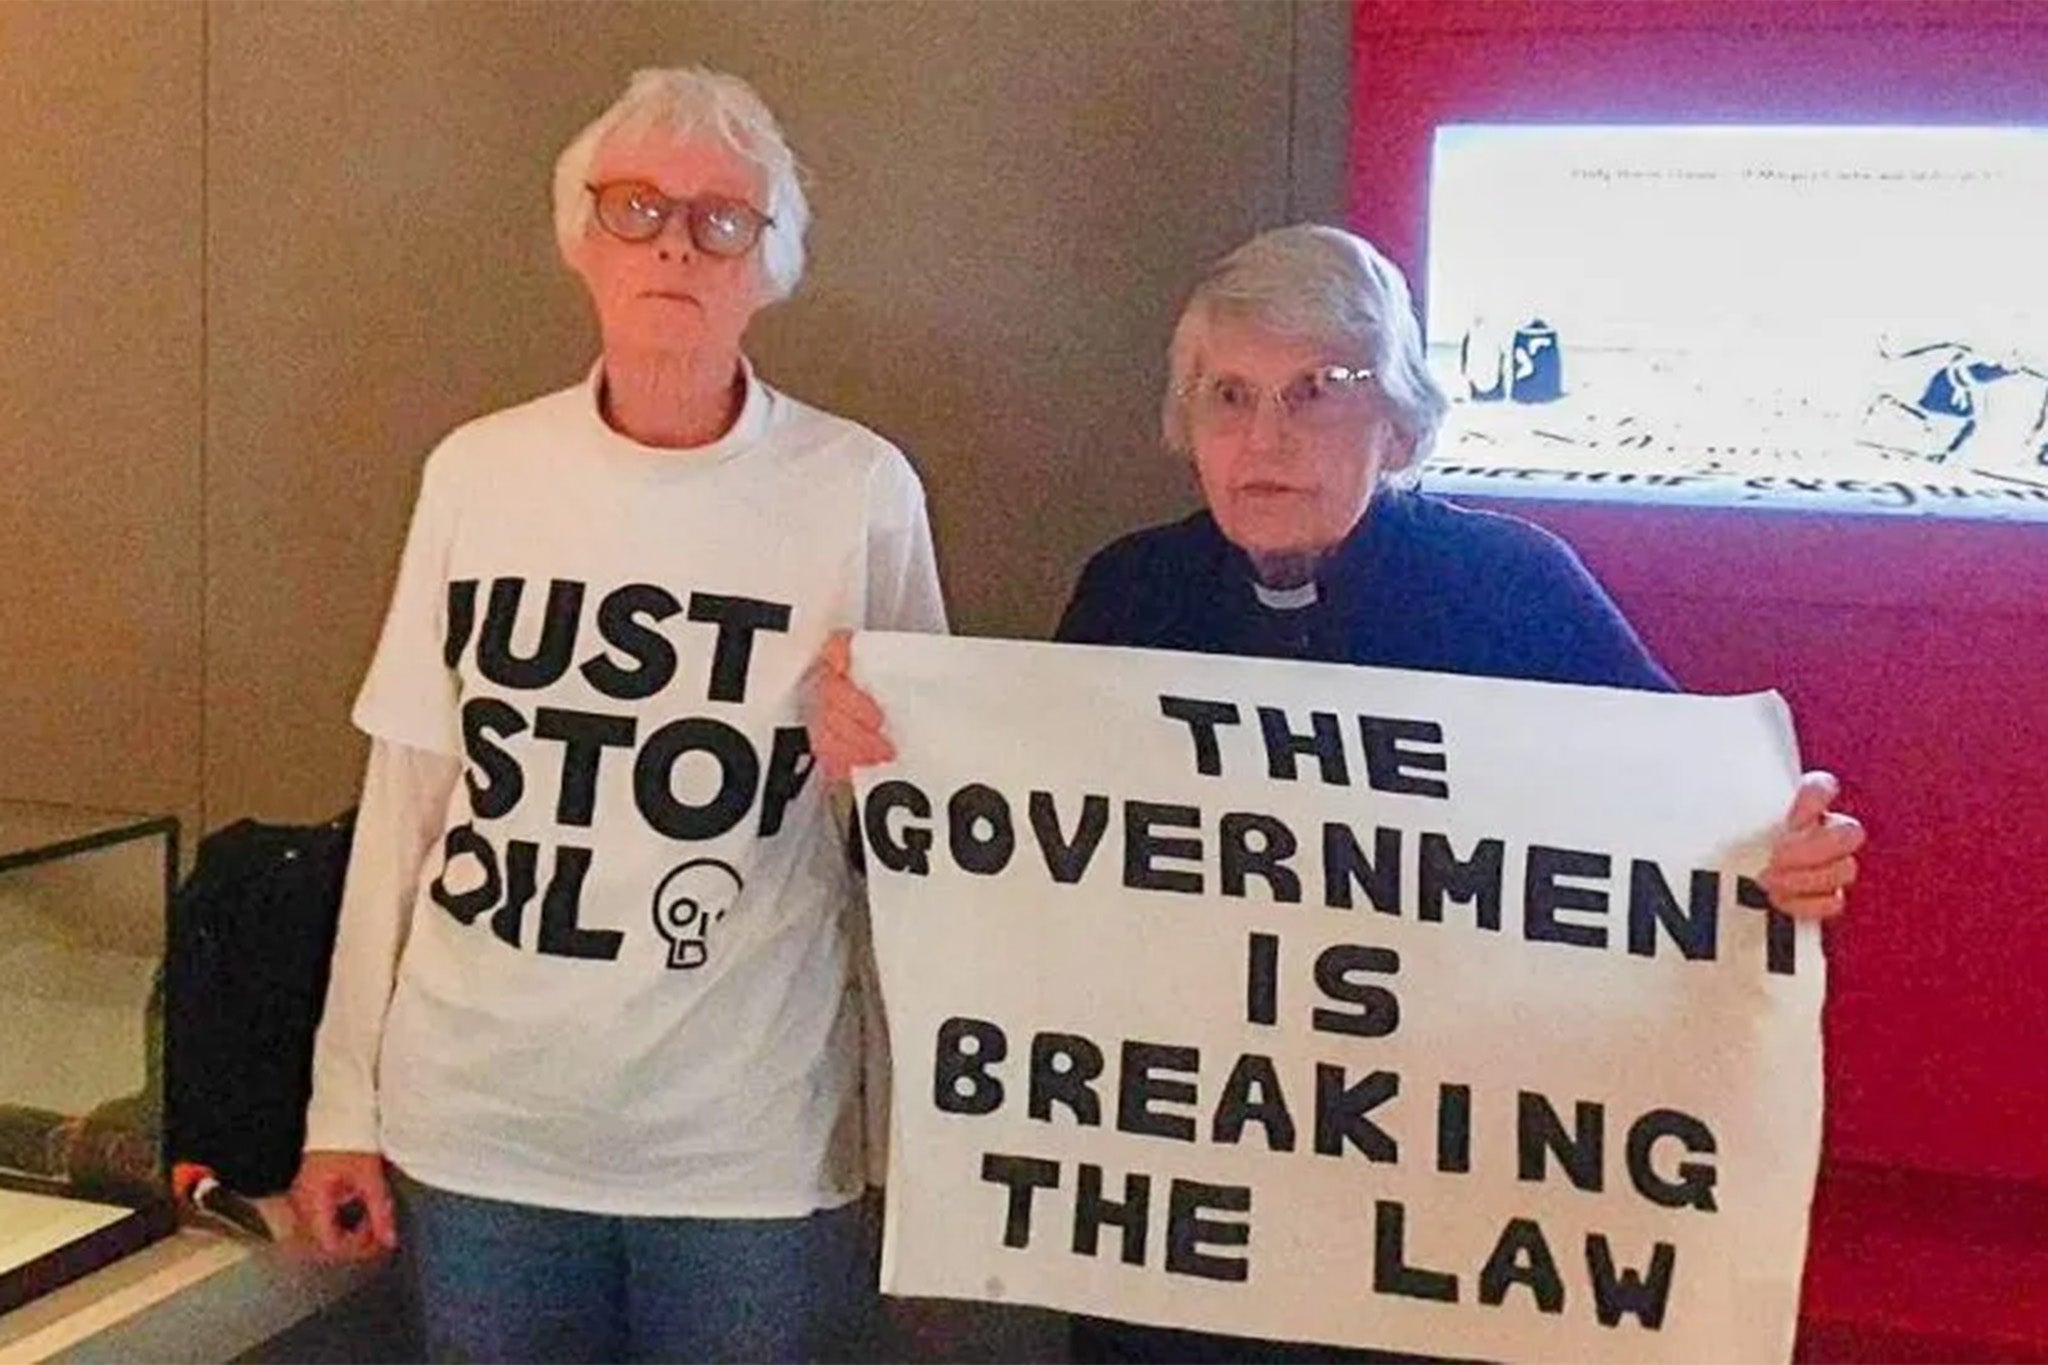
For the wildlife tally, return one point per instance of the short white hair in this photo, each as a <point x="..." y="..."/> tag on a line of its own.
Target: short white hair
<point x="1323" y="285"/>
<point x="688" y="102"/>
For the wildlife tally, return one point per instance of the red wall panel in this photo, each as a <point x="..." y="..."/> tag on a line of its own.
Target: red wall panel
<point x="1914" y="652"/>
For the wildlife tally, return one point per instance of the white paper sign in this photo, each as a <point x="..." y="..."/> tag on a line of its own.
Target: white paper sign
<point x="1338" y="1004"/>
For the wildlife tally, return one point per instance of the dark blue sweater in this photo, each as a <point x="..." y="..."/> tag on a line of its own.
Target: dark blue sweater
<point x="1418" y="584"/>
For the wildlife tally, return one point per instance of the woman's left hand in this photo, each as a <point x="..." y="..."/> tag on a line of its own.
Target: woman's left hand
<point x="1813" y="859"/>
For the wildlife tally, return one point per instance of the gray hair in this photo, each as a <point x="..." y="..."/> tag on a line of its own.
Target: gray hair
<point x="685" y="102"/>
<point x="1320" y="284"/>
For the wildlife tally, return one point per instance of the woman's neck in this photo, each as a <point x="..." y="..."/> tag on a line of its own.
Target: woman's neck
<point x="1283" y="572"/>
<point x="663" y="399"/>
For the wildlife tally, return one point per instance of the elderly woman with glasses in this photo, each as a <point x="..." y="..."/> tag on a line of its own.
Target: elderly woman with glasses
<point x="589" y="1051"/>
<point x="1299" y="389"/>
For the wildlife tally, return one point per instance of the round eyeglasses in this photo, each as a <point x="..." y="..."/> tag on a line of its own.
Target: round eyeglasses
<point x="1318" y="399"/>
<point x="634" y="211"/>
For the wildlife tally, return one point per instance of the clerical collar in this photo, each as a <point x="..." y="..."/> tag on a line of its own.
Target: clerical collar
<point x="1285" y="599"/>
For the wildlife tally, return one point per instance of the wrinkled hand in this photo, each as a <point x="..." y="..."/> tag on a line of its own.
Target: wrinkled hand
<point x="1813" y="858"/>
<point x="845" y="723"/>
<point x="343" y="1203"/>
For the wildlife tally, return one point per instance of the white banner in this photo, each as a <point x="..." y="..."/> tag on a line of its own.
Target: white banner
<point x="1338" y="1004"/>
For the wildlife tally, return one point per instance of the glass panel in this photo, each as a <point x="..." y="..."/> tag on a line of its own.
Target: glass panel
<point x="82" y="917"/>
<point x="33" y="1225"/>
<point x="32" y="831"/>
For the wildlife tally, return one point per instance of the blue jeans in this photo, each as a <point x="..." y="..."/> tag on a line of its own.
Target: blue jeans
<point x="497" y="1281"/>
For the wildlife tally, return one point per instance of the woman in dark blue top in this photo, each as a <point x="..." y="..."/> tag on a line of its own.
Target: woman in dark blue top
<point x="1298" y="388"/>
<point x="1418" y="583"/>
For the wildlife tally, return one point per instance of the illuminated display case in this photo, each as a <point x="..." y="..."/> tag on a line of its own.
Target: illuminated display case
<point x="1811" y="317"/>
<point x="83" y="900"/>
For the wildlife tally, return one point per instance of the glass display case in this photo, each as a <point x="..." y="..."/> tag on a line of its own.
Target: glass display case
<point x="83" y="901"/>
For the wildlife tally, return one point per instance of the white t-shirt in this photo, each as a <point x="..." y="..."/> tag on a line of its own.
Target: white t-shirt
<point x="625" y="984"/>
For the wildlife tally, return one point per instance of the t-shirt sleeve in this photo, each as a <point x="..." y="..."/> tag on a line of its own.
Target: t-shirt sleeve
<point x="411" y="695"/>
<point x="405" y="795"/>
<point x="903" y="571"/>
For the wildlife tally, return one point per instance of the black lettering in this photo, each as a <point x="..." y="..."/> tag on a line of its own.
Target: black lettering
<point x="1521" y="1256"/>
<point x="1092" y="1212"/>
<point x="1143" y="847"/>
<point x="1138" y="1090"/>
<point x="1262" y="979"/>
<point x="1629" y="1291"/>
<point x="1651" y="904"/>
<point x="976" y="807"/>
<point x="550" y="658"/>
<point x="652" y="659"/>
<point x="465" y="906"/>
<point x="1391" y="760"/>
<point x="1454" y="1128"/>
<point x="1068" y="858"/>
<point x="584" y="737"/>
<point x="789" y="767"/>
<point x="909" y="847"/>
<point x="1391" y="1273"/>
<point x="961" y="1083"/>
<point x="1341" y="1113"/>
<point x="737" y="618"/>
<point x="1443" y="876"/>
<point x="1187" y="1231"/>
<point x="1325" y="740"/>
<point x="1239" y="1106"/>
<point x="1379" y="1010"/>
<point x="1780" y="933"/>
<point x="461" y="620"/>
<point x="1202" y="718"/>
<point x="1063" y="1065"/>
<point x="522" y="879"/>
<point x="654" y="778"/>
<point x="1543" y="896"/>
<point x="1025" y="1176"/>
<point x="503" y="783"/>
<point x="1539" y="1134"/>
<point x="1241" y="861"/>
<point x="560" y="933"/>
<point x="1694" y="1187"/>
<point x="1344" y="863"/>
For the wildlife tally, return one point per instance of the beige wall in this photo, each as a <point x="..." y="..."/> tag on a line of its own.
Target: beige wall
<point x="100" y="400"/>
<point x="1011" y="198"/>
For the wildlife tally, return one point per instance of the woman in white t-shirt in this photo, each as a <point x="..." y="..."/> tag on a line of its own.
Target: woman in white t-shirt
<point x="591" y="1051"/>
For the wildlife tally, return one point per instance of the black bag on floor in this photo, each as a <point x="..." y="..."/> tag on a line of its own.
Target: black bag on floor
<point x="245" y="978"/>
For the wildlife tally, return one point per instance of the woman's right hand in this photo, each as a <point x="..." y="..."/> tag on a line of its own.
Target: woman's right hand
<point x="343" y="1204"/>
<point x="845" y="723"/>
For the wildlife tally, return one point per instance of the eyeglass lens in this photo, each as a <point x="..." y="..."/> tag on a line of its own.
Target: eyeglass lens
<point x="636" y="212"/>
